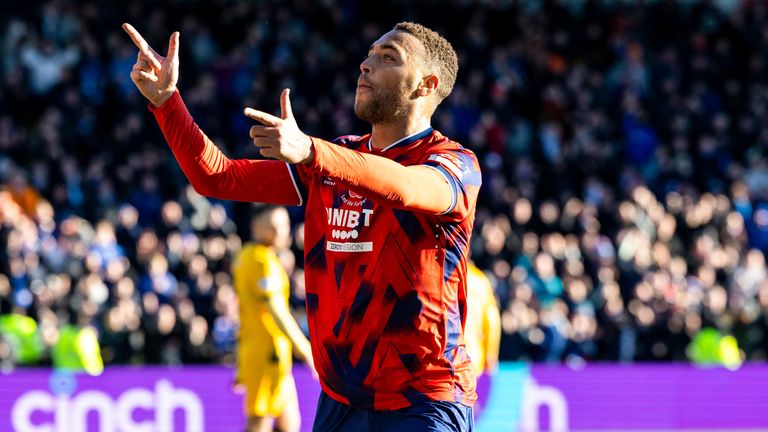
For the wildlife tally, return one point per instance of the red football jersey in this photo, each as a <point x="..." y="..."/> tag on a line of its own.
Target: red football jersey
<point x="385" y="284"/>
<point x="386" y="291"/>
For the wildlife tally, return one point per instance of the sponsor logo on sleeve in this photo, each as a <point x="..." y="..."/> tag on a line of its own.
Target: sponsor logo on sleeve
<point x="452" y="164"/>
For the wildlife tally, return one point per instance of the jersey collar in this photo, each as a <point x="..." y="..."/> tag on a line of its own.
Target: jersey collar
<point x="402" y="142"/>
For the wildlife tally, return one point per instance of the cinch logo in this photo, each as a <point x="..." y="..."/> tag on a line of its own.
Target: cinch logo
<point x="72" y="414"/>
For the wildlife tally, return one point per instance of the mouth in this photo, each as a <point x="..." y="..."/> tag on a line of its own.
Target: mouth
<point x="362" y="85"/>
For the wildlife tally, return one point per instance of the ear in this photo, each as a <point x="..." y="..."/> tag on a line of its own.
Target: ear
<point x="428" y="85"/>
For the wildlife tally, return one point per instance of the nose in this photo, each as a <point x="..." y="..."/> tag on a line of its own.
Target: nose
<point x="365" y="66"/>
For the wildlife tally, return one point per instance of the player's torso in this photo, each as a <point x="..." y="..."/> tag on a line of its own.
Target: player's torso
<point x="376" y="292"/>
<point x="259" y="334"/>
<point x="367" y="244"/>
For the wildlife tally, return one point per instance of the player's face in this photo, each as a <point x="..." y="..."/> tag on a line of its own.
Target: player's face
<point x="273" y="230"/>
<point x="388" y="79"/>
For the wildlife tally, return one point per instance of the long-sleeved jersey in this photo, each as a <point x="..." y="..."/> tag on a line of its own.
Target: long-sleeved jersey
<point x="385" y="271"/>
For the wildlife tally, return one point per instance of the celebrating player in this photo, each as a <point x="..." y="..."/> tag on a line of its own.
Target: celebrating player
<point x="389" y="217"/>
<point x="268" y="332"/>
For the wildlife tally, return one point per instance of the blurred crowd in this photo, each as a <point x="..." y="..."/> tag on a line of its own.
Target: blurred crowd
<point x="623" y="147"/>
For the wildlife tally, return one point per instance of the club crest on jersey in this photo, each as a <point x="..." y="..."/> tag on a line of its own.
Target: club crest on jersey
<point x="353" y="199"/>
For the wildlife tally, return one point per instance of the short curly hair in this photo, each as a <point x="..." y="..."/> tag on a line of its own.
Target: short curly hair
<point x="439" y="54"/>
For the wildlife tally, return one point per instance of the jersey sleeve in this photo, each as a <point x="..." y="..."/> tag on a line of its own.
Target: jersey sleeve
<point x="383" y="180"/>
<point x="459" y="167"/>
<point x="305" y="172"/>
<point x="213" y="174"/>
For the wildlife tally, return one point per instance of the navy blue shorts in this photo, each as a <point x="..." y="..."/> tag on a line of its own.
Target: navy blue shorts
<point x="433" y="416"/>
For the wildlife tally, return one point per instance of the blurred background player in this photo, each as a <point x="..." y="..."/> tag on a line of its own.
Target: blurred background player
<point x="483" y="328"/>
<point x="268" y="331"/>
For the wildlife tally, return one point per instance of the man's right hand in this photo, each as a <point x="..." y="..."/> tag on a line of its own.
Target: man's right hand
<point x="154" y="75"/>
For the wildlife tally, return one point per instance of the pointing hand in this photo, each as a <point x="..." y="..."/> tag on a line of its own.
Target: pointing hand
<point x="154" y="75"/>
<point x="280" y="137"/>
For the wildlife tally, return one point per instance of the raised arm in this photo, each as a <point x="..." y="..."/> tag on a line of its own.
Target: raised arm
<point x="214" y="174"/>
<point x="210" y="171"/>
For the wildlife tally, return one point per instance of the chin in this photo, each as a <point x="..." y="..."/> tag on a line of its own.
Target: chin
<point x="360" y="112"/>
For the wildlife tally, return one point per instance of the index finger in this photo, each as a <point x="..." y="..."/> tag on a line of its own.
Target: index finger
<point x="142" y="45"/>
<point x="262" y="117"/>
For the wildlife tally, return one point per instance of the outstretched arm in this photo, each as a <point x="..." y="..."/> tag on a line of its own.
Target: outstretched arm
<point x="210" y="171"/>
<point x="214" y="174"/>
<point x="438" y="187"/>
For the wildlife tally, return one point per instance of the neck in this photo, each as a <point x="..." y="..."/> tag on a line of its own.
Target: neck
<point x="385" y="134"/>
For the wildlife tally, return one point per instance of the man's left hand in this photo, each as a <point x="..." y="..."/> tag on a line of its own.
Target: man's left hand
<point x="280" y="137"/>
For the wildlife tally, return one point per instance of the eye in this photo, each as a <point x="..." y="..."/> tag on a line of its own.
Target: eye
<point x="388" y="57"/>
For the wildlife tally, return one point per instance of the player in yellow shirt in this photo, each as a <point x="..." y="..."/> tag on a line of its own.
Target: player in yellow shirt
<point x="268" y="331"/>
<point x="483" y="328"/>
